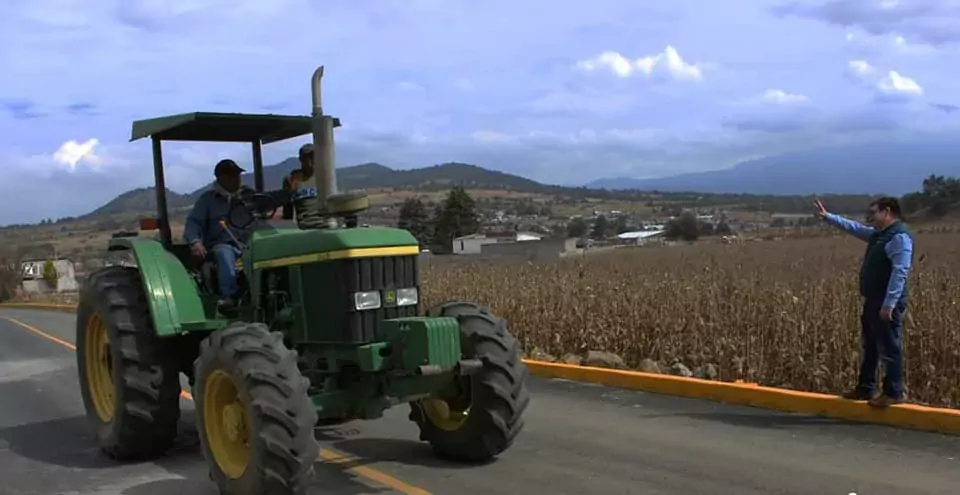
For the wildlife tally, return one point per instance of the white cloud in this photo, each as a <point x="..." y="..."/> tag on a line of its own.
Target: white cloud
<point x="894" y="83"/>
<point x="860" y="68"/>
<point x="71" y="154"/>
<point x="779" y="96"/>
<point x="668" y="62"/>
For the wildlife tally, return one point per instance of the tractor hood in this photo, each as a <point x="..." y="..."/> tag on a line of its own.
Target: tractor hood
<point x="292" y="246"/>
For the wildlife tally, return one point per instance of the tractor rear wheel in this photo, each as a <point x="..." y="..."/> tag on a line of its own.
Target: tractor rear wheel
<point x="485" y="414"/>
<point x="255" y="417"/>
<point x="129" y="378"/>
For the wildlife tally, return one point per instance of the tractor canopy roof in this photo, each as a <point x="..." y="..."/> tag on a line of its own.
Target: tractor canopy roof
<point x="224" y="127"/>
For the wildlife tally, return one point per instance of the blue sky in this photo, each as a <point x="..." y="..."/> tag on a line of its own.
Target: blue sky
<point x="558" y="91"/>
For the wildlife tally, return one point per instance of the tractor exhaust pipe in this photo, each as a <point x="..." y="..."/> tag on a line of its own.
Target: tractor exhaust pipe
<point x="315" y="89"/>
<point x="323" y="156"/>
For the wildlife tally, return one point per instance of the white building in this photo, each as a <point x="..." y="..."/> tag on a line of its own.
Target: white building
<point x="470" y="244"/>
<point x="33" y="281"/>
<point x="639" y="237"/>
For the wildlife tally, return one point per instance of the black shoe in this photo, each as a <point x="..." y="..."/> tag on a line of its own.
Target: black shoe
<point x="858" y="394"/>
<point x="885" y="401"/>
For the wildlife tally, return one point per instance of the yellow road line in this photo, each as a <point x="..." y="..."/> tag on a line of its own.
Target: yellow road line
<point x="370" y="473"/>
<point x="325" y="454"/>
<point x="41" y="333"/>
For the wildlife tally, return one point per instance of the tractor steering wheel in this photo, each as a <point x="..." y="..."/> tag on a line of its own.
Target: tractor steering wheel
<point x="252" y="207"/>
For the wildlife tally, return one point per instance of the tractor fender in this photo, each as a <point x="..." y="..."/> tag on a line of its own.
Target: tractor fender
<point x="170" y="291"/>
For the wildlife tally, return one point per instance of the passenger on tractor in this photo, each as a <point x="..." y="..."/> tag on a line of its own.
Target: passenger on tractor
<point x="204" y="232"/>
<point x="301" y="189"/>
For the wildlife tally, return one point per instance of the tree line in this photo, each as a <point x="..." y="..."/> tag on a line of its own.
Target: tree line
<point x="937" y="195"/>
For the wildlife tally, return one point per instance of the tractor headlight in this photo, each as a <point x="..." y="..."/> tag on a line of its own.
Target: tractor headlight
<point x="366" y="300"/>
<point x="407" y="297"/>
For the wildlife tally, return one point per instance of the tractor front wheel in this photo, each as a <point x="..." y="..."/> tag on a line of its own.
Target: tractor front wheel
<point x="481" y="416"/>
<point x="255" y="417"/>
<point x="129" y="379"/>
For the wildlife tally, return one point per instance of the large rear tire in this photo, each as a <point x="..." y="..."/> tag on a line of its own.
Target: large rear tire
<point x="129" y="378"/>
<point x="486" y="416"/>
<point x="255" y="417"/>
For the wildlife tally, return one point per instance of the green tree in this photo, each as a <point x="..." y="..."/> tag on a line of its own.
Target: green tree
<point x="414" y="218"/>
<point x="685" y="227"/>
<point x="577" y="227"/>
<point x="936" y="195"/>
<point x="456" y="216"/>
<point x="600" y="227"/>
<point x="50" y="274"/>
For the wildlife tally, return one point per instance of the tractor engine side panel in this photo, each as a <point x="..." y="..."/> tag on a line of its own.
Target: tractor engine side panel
<point x="328" y="296"/>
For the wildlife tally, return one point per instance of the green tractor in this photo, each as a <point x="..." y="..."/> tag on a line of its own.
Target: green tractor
<point x="328" y="329"/>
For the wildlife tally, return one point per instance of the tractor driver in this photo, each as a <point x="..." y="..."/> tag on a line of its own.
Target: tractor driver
<point x="204" y="232"/>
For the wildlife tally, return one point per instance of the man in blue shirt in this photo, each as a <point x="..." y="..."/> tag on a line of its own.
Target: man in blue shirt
<point x="204" y="233"/>
<point x="883" y="285"/>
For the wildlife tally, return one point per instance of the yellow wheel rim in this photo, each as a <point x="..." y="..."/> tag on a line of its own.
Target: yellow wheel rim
<point x="225" y="424"/>
<point x="99" y="367"/>
<point x="443" y="415"/>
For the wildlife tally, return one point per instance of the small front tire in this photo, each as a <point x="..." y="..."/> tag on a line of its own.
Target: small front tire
<point x="487" y="416"/>
<point x="255" y="416"/>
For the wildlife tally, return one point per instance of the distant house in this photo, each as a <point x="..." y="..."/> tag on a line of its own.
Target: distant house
<point x="543" y="249"/>
<point x="33" y="281"/>
<point x="639" y="237"/>
<point x="471" y="244"/>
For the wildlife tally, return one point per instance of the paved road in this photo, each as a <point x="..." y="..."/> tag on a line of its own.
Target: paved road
<point x="580" y="439"/>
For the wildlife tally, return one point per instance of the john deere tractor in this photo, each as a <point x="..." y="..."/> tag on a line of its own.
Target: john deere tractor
<point x="328" y="328"/>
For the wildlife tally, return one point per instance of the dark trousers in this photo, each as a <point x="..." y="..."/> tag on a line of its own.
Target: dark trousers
<point x="881" y="341"/>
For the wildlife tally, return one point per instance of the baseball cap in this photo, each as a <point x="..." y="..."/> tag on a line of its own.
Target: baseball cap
<point x="227" y="166"/>
<point x="306" y="149"/>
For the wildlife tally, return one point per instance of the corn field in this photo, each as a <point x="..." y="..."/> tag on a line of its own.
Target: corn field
<point x="782" y="313"/>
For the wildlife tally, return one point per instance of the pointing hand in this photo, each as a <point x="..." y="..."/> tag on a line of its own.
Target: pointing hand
<point x="820" y="209"/>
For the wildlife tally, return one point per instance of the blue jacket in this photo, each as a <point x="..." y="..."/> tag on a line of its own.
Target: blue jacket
<point x="898" y="248"/>
<point x="203" y="223"/>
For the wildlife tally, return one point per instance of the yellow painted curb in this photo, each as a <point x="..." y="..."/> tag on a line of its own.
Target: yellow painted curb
<point x="912" y="416"/>
<point x="66" y="308"/>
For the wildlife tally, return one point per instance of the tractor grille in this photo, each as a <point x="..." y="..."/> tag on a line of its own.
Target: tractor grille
<point x="328" y="293"/>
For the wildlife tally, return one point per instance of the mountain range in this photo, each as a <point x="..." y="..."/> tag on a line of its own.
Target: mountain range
<point x="875" y="168"/>
<point x="878" y="168"/>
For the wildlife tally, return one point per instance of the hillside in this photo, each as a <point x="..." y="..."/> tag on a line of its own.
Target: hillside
<point x="375" y="176"/>
<point x="875" y="168"/>
<point x="363" y="176"/>
<point x="139" y="200"/>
